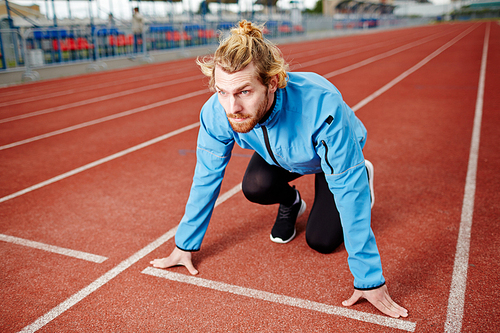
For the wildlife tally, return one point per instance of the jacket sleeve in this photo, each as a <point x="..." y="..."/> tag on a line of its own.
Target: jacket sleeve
<point x="214" y="146"/>
<point x="339" y="146"/>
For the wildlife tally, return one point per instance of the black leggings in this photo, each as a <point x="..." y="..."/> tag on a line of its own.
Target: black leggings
<point x="268" y="184"/>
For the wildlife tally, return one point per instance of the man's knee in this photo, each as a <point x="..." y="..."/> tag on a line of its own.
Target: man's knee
<point x="323" y="245"/>
<point x="255" y="190"/>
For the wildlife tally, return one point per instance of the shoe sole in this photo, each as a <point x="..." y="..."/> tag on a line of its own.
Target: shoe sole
<point x="302" y="209"/>
<point x="370" y="170"/>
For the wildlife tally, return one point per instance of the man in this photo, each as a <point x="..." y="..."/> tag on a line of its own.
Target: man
<point x="298" y="124"/>
<point x="137" y="28"/>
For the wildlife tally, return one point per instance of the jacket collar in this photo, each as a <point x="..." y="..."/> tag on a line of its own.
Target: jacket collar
<point x="273" y="116"/>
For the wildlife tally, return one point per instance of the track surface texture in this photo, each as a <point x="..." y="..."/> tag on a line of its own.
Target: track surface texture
<point x="96" y="169"/>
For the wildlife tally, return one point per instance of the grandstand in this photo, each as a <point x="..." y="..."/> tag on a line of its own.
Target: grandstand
<point x="33" y="46"/>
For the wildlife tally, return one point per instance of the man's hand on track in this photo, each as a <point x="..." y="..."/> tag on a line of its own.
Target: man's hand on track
<point x="380" y="299"/>
<point x="176" y="258"/>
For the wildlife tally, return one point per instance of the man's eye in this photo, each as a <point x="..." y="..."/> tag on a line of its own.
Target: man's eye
<point x="244" y="92"/>
<point x="221" y="92"/>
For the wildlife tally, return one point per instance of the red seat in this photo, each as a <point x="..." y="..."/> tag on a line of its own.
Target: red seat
<point x="82" y="44"/>
<point x="55" y="45"/>
<point x="71" y="44"/>
<point x="172" y="36"/>
<point x="206" y="33"/>
<point x="112" y="40"/>
<point x="185" y="36"/>
<point x="129" y="40"/>
<point x="176" y="36"/>
<point x="298" y="28"/>
<point x="120" y="40"/>
<point x="284" y="29"/>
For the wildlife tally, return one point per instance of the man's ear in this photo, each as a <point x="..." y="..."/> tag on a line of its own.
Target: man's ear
<point x="273" y="83"/>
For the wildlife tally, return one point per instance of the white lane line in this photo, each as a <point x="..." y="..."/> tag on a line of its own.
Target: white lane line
<point x="108" y="276"/>
<point x="228" y="194"/>
<point x="355" y="108"/>
<point x="80" y="295"/>
<point x="333" y="46"/>
<point x="286" y="300"/>
<point x="302" y="65"/>
<point x="128" y="80"/>
<point x="101" y="98"/>
<point x="54" y="249"/>
<point x="456" y="299"/>
<point x="411" y="70"/>
<point x="104" y="119"/>
<point x="372" y="59"/>
<point x="98" y="162"/>
<point x="81" y="88"/>
<point x="384" y="55"/>
<point x="175" y="99"/>
<point x="341" y="54"/>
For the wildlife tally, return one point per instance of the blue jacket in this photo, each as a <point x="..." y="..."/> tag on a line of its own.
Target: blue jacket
<point x="310" y="130"/>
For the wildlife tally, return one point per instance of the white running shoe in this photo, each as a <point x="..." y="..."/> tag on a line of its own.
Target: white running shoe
<point x="369" y="169"/>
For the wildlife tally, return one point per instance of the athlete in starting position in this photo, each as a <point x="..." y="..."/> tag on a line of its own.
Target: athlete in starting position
<point x="298" y="124"/>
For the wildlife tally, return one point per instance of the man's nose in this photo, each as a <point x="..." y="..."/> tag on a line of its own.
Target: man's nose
<point x="234" y="105"/>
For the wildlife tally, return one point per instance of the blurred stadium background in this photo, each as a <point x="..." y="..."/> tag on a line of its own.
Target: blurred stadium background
<point x="53" y="38"/>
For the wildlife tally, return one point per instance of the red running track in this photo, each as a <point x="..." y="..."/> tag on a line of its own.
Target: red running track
<point x="96" y="170"/>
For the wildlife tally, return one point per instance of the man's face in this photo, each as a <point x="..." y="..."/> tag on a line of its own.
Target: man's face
<point x="244" y="98"/>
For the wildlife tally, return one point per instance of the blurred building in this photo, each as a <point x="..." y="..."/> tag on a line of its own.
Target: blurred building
<point x="373" y="7"/>
<point x="18" y="10"/>
<point x="19" y="13"/>
<point x="269" y="5"/>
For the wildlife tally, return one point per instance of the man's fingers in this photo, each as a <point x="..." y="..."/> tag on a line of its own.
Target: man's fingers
<point x="380" y="299"/>
<point x="162" y="263"/>
<point x="167" y="263"/>
<point x="353" y="299"/>
<point x="397" y="308"/>
<point x="382" y="305"/>
<point x="387" y="309"/>
<point x="190" y="267"/>
<point x="176" y="258"/>
<point x="390" y="308"/>
<point x="392" y="311"/>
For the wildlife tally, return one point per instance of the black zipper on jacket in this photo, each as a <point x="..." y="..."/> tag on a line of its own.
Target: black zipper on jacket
<point x="326" y="155"/>
<point x="268" y="145"/>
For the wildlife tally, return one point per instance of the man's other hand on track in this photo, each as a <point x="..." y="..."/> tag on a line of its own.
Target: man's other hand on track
<point x="176" y="258"/>
<point x="380" y="299"/>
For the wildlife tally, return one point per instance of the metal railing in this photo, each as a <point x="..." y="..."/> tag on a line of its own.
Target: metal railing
<point x="58" y="45"/>
<point x="43" y="47"/>
<point x="11" y="50"/>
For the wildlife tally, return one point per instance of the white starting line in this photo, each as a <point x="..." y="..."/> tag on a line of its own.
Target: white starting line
<point x="282" y="299"/>
<point x="54" y="249"/>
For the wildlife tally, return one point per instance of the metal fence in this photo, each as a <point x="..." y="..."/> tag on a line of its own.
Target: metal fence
<point x="11" y="49"/>
<point x="55" y="45"/>
<point x="43" y="47"/>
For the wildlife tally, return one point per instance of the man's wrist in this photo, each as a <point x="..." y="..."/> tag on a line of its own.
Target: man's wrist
<point x="370" y="288"/>
<point x="186" y="250"/>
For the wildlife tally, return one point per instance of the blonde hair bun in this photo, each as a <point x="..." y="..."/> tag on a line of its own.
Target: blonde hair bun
<point x="247" y="28"/>
<point x="246" y="44"/>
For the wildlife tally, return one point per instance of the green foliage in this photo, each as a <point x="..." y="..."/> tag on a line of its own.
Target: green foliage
<point x="318" y="8"/>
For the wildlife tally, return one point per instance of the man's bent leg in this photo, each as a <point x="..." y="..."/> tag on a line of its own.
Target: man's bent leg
<point x="268" y="184"/>
<point x="324" y="230"/>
